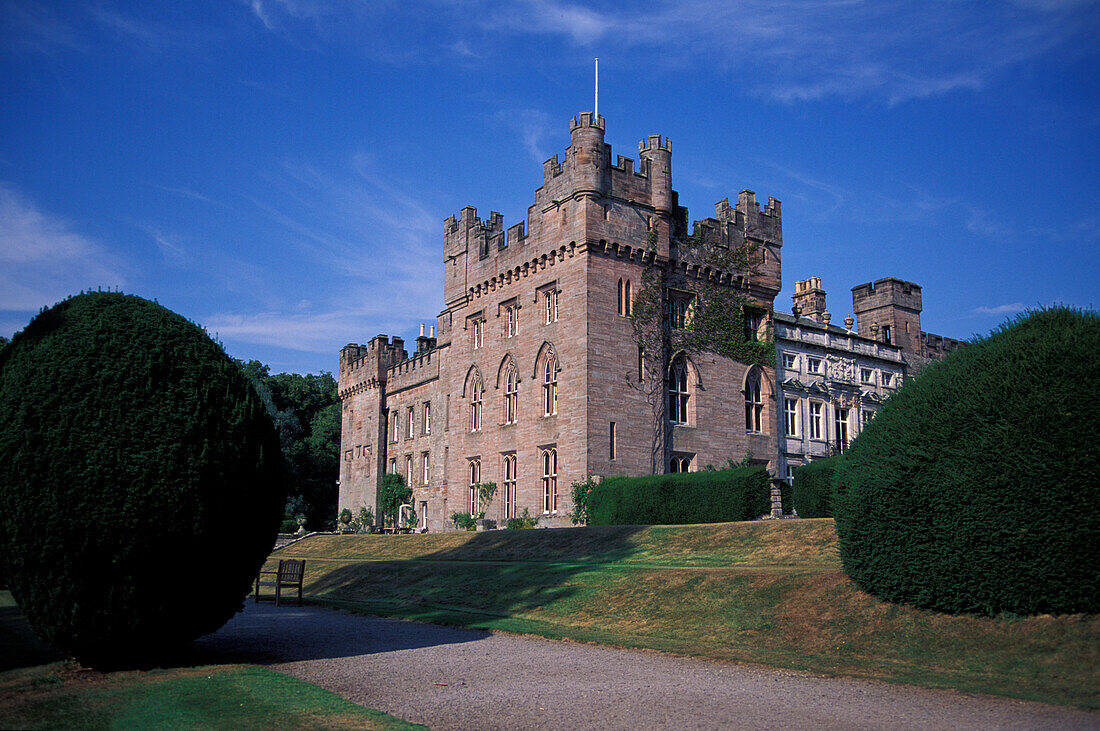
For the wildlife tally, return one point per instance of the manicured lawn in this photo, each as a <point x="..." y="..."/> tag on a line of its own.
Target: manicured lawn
<point x="61" y="694"/>
<point x="763" y="592"/>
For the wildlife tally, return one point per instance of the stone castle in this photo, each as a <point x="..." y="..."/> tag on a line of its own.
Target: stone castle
<point x="533" y="376"/>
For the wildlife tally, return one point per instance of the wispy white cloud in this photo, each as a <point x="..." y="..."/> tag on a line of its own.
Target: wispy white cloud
<point x="43" y="259"/>
<point x="534" y="128"/>
<point x="312" y="332"/>
<point x="147" y="33"/>
<point x="36" y="27"/>
<point x="816" y="49"/>
<point x="312" y="328"/>
<point x="462" y="49"/>
<point x="262" y="13"/>
<point x="188" y="193"/>
<point x="374" y="237"/>
<point x="171" y="246"/>
<point x="1069" y="230"/>
<point x="1009" y="309"/>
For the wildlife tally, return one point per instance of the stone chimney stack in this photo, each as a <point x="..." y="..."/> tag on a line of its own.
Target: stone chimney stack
<point x="423" y="342"/>
<point x="809" y="298"/>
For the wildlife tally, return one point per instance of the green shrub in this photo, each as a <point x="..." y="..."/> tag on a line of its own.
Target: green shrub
<point x="141" y="484"/>
<point x="581" y="491"/>
<point x="392" y="494"/>
<point x="465" y="521"/>
<point x="812" y="491"/>
<point x="786" y="494"/>
<point x="686" y="497"/>
<point x="975" y="487"/>
<point x="522" y="522"/>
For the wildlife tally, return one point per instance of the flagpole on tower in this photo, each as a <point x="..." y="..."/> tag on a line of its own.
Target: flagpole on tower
<point x="596" y="111"/>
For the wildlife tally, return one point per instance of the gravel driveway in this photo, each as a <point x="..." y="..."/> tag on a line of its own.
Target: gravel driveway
<point x="450" y="678"/>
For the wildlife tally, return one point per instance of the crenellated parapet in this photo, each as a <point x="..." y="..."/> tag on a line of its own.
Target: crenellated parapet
<point x="363" y="367"/>
<point x="588" y="201"/>
<point x="757" y="234"/>
<point x="421" y="368"/>
<point x="937" y="346"/>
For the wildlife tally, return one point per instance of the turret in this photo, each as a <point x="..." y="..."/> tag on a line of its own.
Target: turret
<point x="656" y="159"/>
<point x="591" y="160"/>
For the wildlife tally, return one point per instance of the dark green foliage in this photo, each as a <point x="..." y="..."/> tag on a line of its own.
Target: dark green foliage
<point x="581" y="491"/>
<point x="786" y="494"/>
<point x="141" y="482"/>
<point x="464" y="521"/>
<point x="306" y="411"/>
<point x="975" y="487"/>
<point x="812" y="492"/>
<point x="686" y="497"/>
<point x="392" y="494"/>
<point x="522" y="522"/>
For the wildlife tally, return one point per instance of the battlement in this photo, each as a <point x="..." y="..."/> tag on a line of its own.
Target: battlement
<point x="469" y="234"/>
<point x="516" y="234"/>
<point x="414" y="371"/>
<point x="889" y="290"/>
<point x="550" y="169"/>
<point x="364" y="366"/>
<point x="938" y="344"/>
<point x="652" y="143"/>
<point x="625" y="164"/>
<point x="889" y="309"/>
<point x="584" y="119"/>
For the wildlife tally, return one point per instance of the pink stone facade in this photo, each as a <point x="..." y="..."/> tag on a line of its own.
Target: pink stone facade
<point x="531" y="374"/>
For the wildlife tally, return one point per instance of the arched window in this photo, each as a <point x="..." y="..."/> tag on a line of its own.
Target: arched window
<point x="509" y="486"/>
<point x="678" y="391"/>
<point x="549" y="480"/>
<point x="476" y="395"/>
<point x="550" y="386"/>
<point x="511" y="395"/>
<point x="754" y="403"/>
<point x="624" y="298"/>
<point x="475" y="483"/>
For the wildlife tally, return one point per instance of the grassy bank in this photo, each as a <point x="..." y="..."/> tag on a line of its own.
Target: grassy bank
<point x="37" y="690"/>
<point x="764" y="592"/>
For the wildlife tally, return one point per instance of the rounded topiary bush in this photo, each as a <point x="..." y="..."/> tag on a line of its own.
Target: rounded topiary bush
<point x="141" y="481"/>
<point x="975" y="487"/>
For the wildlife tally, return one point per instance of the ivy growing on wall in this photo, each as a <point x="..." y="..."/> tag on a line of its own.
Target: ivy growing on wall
<point x="720" y="319"/>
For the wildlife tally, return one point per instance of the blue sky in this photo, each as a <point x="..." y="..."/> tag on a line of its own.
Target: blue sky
<point x="279" y="170"/>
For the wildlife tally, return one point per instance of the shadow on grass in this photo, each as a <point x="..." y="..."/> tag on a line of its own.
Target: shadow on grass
<point x="493" y="575"/>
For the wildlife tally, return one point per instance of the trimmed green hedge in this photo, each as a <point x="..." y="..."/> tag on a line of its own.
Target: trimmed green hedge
<point x="686" y="497"/>
<point x="812" y="494"/>
<point x="141" y="479"/>
<point x="975" y="488"/>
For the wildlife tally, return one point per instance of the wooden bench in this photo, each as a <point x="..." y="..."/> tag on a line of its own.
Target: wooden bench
<point x="289" y="576"/>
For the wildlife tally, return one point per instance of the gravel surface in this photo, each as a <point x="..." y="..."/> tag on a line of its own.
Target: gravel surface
<point x="450" y="678"/>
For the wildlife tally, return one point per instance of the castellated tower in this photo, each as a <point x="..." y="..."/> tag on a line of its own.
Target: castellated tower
<point x="536" y="379"/>
<point x="362" y="391"/>
<point x="888" y="310"/>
